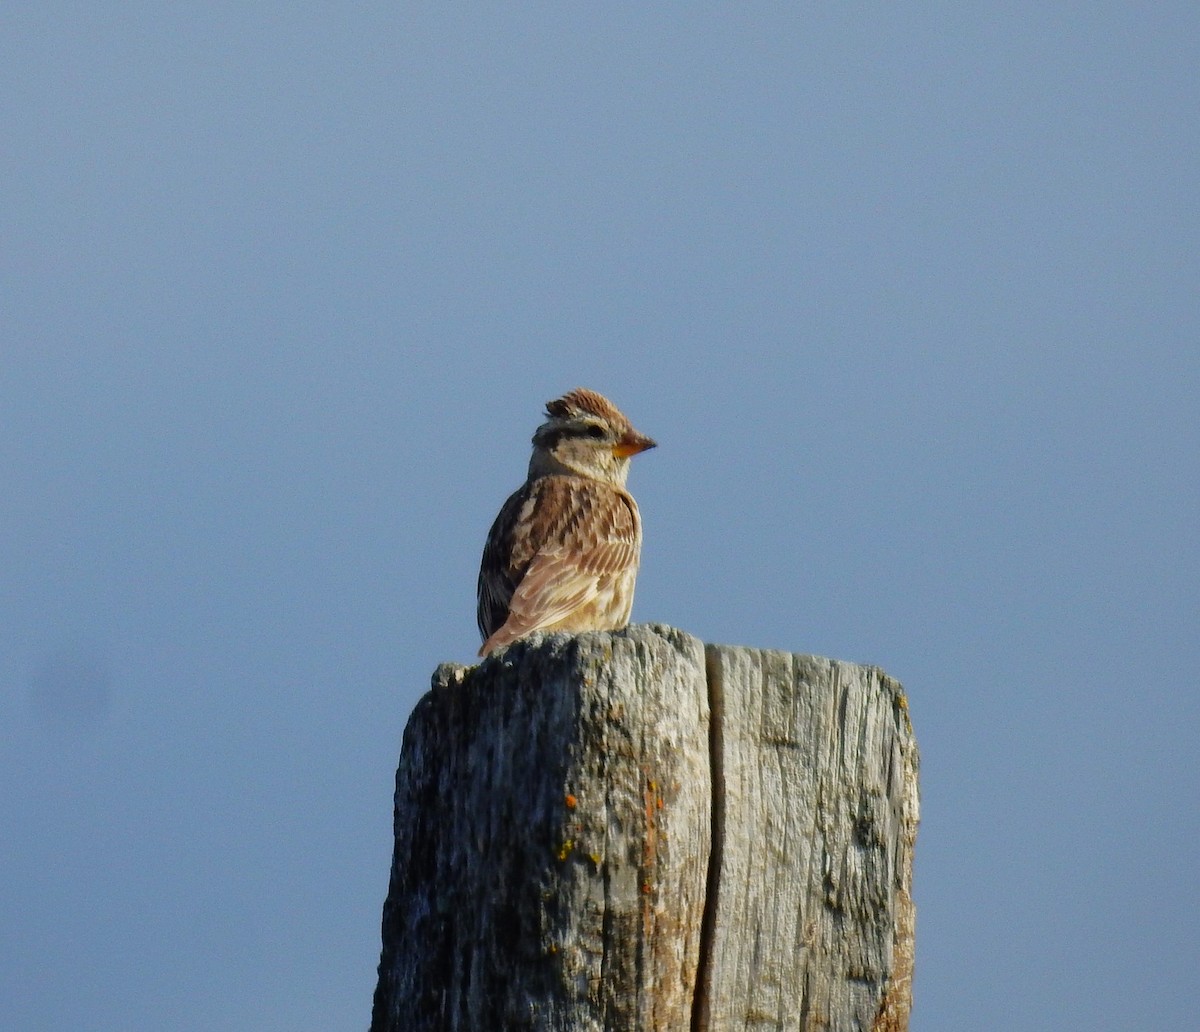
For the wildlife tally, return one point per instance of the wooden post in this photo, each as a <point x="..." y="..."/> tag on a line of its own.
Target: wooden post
<point x="631" y="832"/>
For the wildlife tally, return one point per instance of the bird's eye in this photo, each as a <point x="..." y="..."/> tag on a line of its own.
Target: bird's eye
<point x="595" y="432"/>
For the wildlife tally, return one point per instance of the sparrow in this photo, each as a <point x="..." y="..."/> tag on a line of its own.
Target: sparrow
<point x="563" y="553"/>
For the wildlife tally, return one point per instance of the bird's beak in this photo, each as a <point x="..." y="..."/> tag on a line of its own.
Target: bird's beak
<point x="633" y="443"/>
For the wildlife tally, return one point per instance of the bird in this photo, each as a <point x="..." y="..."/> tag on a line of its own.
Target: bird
<point x="563" y="553"/>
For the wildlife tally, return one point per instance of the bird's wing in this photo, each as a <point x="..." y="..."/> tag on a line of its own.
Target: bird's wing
<point x="575" y="536"/>
<point x="556" y="585"/>
<point x="498" y="574"/>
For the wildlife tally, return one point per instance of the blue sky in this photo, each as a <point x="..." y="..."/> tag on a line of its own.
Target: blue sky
<point x="907" y="294"/>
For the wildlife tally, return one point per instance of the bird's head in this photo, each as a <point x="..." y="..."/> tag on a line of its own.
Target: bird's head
<point x="586" y="435"/>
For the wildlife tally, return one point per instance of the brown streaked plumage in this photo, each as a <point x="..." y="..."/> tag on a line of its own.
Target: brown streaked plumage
<point x="563" y="553"/>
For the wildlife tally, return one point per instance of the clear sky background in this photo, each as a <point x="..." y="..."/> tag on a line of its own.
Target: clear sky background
<point x="908" y="294"/>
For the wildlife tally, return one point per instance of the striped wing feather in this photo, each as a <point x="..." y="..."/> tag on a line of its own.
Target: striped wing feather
<point x="557" y="543"/>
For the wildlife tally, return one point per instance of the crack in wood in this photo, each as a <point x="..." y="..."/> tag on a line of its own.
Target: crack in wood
<point x="712" y="889"/>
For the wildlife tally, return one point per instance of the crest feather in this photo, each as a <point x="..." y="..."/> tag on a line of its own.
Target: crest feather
<point x="582" y="401"/>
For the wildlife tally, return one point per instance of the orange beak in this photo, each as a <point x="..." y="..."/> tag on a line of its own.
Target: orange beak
<point x="633" y="443"/>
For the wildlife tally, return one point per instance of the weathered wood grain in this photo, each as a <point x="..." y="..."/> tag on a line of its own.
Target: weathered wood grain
<point x="554" y="812"/>
<point x="552" y="823"/>
<point x="814" y="917"/>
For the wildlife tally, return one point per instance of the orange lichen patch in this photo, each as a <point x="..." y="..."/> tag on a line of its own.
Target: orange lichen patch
<point x="647" y="888"/>
<point x="571" y="801"/>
